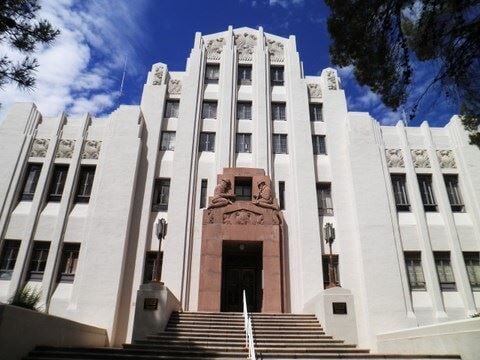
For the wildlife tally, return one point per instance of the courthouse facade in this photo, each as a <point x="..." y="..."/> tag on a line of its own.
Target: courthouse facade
<point x="246" y="159"/>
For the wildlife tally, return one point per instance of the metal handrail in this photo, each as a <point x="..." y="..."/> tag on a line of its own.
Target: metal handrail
<point x="249" y="343"/>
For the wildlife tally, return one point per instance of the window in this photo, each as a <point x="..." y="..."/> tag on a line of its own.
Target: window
<point x="203" y="193"/>
<point x="319" y="147"/>
<point x="244" y="143"/>
<point x="58" y="182"/>
<point x="38" y="260"/>
<point x="456" y="202"/>
<point x="68" y="265"/>
<point x="400" y="192"/>
<point x="243" y="189"/>
<point x="281" y="194"/>
<point x="244" y="75"/>
<point x="324" y="199"/>
<point x="207" y="141"/>
<point x="212" y="74"/>
<point x="150" y="263"/>
<point x="472" y="262"/>
<point x="444" y="270"/>
<point x="280" y="144"/>
<point x="171" y="109"/>
<point x="278" y="111"/>
<point x="160" y="195"/>
<point x="87" y="174"/>
<point x="8" y="258"/>
<point x="31" y="179"/>
<point x="209" y="110"/>
<point x="426" y="190"/>
<point x="168" y="141"/>
<point x="325" y="263"/>
<point x="413" y="263"/>
<point x="316" y="112"/>
<point x="244" y="111"/>
<point x="276" y="75"/>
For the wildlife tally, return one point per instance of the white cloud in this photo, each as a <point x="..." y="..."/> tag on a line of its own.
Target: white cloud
<point x="285" y="3"/>
<point x="79" y="72"/>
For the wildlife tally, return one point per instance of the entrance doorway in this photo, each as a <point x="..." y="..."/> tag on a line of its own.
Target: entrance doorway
<point x="241" y="269"/>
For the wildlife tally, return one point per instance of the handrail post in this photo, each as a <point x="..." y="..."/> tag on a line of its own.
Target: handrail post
<point x="249" y="343"/>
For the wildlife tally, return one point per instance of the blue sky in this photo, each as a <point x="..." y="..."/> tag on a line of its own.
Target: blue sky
<point x="82" y="71"/>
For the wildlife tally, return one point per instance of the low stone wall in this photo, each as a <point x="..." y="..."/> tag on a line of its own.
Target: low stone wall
<point x="21" y="330"/>
<point x="455" y="337"/>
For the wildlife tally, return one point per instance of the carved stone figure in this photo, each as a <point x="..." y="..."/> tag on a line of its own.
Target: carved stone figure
<point x="65" y="149"/>
<point x="242" y="217"/>
<point x="220" y="194"/>
<point x="39" y="147"/>
<point x="245" y="45"/>
<point x="174" y="86"/>
<point x="314" y="90"/>
<point x="265" y="197"/>
<point x="215" y="48"/>
<point x="157" y="76"/>
<point x="275" y="49"/>
<point x="331" y="80"/>
<point x="394" y="158"/>
<point x="420" y="158"/>
<point x="446" y="159"/>
<point x="91" y="150"/>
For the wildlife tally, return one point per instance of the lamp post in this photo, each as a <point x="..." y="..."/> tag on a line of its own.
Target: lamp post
<point x="329" y="238"/>
<point x="161" y="231"/>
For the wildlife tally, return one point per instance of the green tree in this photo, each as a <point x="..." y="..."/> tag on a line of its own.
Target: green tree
<point x="22" y="31"/>
<point x="384" y="39"/>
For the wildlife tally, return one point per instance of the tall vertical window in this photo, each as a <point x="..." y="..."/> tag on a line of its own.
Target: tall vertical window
<point x="244" y="111"/>
<point x="278" y="111"/>
<point x="244" y="75"/>
<point x="68" y="264"/>
<point x="150" y="263"/>
<point x="325" y="265"/>
<point x="426" y="190"/>
<point x="171" y="109"/>
<point x="444" y="270"/>
<point x="212" y="73"/>
<point x="472" y="262"/>
<point x="8" y="258"/>
<point x="207" y="141"/>
<point x="319" y="147"/>
<point x="31" y="180"/>
<point x="85" y="183"/>
<point x="281" y="194"/>
<point x="453" y="191"/>
<point x="399" y="184"/>
<point x="276" y="75"/>
<point x="168" y="141"/>
<point x="160" y="195"/>
<point x="316" y="113"/>
<point x="413" y="263"/>
<point x="209" y="110"/>
<point x="38" y="260"/>
<point x="243" y="189"/>
<point x="244" y="143"/>
<point x="58" y="182"/>
<point x="203" y="193"/>
<point x="324" y="199"/>
<point x="279" y="144"/>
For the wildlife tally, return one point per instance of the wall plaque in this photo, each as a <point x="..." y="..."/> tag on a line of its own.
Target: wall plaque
<point x="339" y="308"/>
<point x="150" y="304"/>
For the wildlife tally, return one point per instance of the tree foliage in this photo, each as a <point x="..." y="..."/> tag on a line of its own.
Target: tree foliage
<point x="22" y="31"/>
<point x="383" y="39"/>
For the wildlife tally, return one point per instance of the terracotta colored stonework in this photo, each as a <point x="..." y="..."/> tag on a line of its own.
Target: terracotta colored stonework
<point x="242" y="221"/>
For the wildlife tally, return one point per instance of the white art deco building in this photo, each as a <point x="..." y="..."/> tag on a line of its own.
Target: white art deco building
<point x="80" y="198"/>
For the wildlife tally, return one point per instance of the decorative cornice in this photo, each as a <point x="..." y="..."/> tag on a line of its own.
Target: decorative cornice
<point x="39" y="148"/>
<point x="446" y="159"/>
<point x="91" y="149"/>
<point x="174" y="86"/>
<point x="276" y="50"/>
<point x="395" y="158"/>
<point x="314" y="90"/>
<point x="215" y="48"/>
<point x="245" y="44"/>
<point x="420" y="158"/>
<point x="65" y="149"/>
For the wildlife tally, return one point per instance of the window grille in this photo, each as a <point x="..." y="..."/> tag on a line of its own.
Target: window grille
<point x="453" y="191"/>
<point x="244" y="111"/>
<point x="209" y="110"/>
<point x="316" y="113"/>
<point x="413" y="263"/>
<point x="171" y="109"/>
<point x="243" y="189"/>
<point x="149" y="267"/>
<point x="168" y="141"/>
<point x="58" y="182"/>
<point x="212" y="74"/>
<point x="31" y="180"/>
<point x="281" y="194"/>
<point x="68" y="265"/>
<point x="472" y="262"/>
<point x="203" y="193"/>
<point x="244" y="143"/>
<point x="319" y="147"/>
<point x="279" y="144"/>
<point x="276" y="76"/>
<point x="8" y="258"/>
<point x="85" y="183"/>
<point x="426" y="190"/>
<point x="324" y="199"/>
<point x="38" y="260"/>
<point x="444" y="270"/>
<point x="244" y="75"/>
<point x="400" y="192"/>
<point x="278" y="111"/>
<point x="325" y="264"/>
<point x="160" y="195"/>
<point x="207" y="141"/>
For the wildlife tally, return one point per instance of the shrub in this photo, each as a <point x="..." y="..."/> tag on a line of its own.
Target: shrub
<point x="26" y="297"/>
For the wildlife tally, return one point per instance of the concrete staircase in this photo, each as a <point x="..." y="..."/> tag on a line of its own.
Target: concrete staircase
<point x="200" y="335"/>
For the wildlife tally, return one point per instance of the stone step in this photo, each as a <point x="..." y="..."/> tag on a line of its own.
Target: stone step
<point x="241" y="321"/>
<point x="238" y="337"/>
<point x="271" y="341"/>
<point x="241" y="327"/>
<point x="318" y="356"/>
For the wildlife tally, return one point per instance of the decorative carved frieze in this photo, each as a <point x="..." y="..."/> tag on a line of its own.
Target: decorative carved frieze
<point x="275" y="49"/>
<point x="39" y="147"/>
<point x="174" y="86"/>
<point x="65" y="149"/>
<point x="245" y="46"/>
<point x="331" y="80"/>
<point x="91" y="150"/>
<point x="158" y="74"/>
<point x="394" y="158"/>
<point x="446" y="159"/>
<point x="420" y="158"/>
<point x="215" y="48"/>
<point x="314" y="90"/>
<point x="242" y="217"/>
